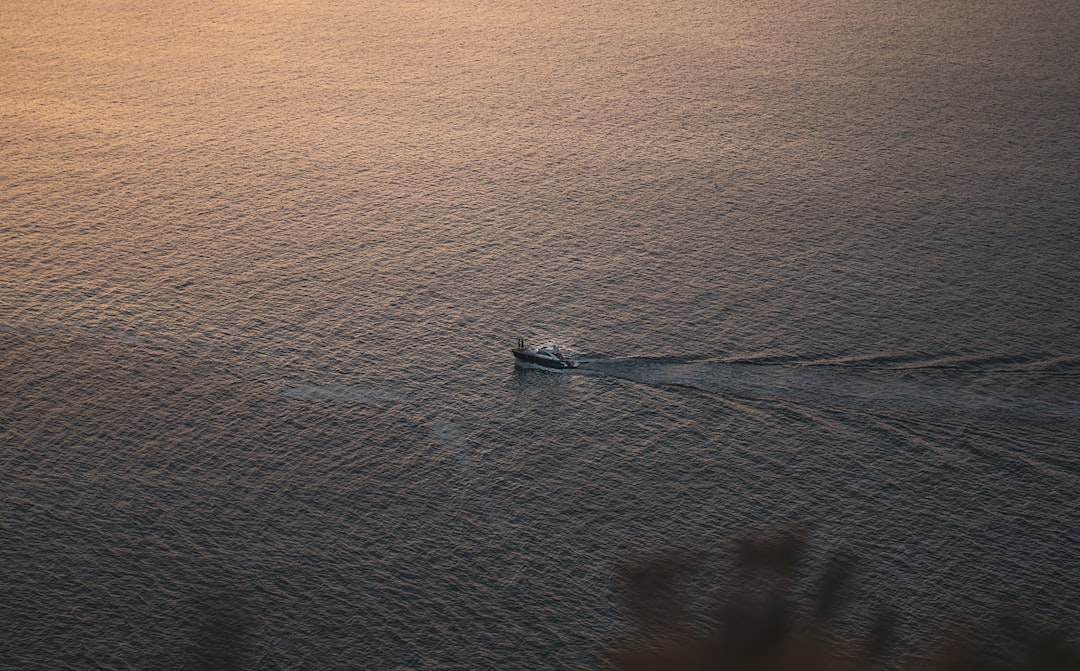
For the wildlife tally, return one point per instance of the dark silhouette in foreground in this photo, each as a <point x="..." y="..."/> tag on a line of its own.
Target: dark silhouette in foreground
<point x="759" y="626"/>
<point x="679" y="623"/>
<point x="224" y="639"/>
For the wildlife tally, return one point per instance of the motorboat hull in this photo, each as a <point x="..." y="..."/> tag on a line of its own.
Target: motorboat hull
<point x="542" y="360"/>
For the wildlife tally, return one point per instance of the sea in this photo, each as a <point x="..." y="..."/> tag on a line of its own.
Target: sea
<point x="262" y="264"/>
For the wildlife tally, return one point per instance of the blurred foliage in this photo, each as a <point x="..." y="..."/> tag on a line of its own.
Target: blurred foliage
<point x="680" y="620"/>
<point x="224" y="639"/>
<point x="680" y="624"/>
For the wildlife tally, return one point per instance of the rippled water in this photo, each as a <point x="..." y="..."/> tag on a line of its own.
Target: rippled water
<point x="263" y="264"/>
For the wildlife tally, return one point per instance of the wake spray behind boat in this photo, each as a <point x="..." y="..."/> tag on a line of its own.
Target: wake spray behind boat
<point x="548" y="356"/>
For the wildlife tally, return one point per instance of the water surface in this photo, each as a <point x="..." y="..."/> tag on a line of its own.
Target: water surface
<point x="263" y="264"/>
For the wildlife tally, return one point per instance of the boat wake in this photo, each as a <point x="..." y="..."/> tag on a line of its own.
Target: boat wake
<point x="342" y="393"/>
<point x="451" y="435"/>
<point x="1047" y="388"/>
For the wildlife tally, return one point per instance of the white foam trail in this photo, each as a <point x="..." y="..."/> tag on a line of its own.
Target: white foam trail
<point x="857" y="387"/>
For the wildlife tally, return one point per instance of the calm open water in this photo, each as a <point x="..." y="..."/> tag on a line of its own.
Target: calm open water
<point x="262" y="264"/>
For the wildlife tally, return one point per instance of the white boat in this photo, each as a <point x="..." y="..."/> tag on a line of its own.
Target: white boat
<point x="545" y="357"/>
